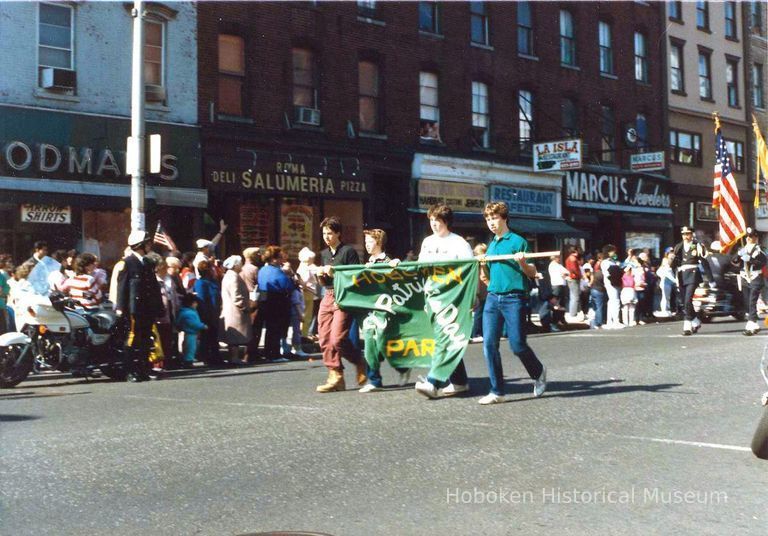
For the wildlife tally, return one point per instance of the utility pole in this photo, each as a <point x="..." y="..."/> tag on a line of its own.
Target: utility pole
<point x="136" y="144"/>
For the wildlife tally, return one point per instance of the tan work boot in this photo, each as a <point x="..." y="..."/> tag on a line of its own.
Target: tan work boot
<point x="335" y="382"/>
<point x="362" y="369"/>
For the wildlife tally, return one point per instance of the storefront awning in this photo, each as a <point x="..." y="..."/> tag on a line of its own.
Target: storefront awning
<point x="550" y="227"/>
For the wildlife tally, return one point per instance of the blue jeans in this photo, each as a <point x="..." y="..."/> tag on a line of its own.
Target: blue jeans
<point x="509" y="310"/>
<point x="599" y="300"/>
<point x="477" y="320"/>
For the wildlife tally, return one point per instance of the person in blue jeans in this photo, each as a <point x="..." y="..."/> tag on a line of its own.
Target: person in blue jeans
<point x="507" y="303"/>
<point x="598" y="295"/>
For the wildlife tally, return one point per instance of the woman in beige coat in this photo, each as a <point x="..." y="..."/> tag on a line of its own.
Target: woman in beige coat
<point x="235" y="308"/>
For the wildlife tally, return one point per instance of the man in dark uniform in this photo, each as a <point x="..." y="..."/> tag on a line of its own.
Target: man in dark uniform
<point x="752" y="260"/>
<point x="689" y="261"/>
<point x="139" y="301"/>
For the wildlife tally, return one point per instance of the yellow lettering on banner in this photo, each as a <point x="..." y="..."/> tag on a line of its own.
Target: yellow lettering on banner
<point x="362" y="276"/>
<point x="411" y="347"/>
<point x="378" y="277"/>
<point x="437" y="273"/>
<point x="419" y="348"/>
<point x="394" y="346"/>
<point x="455" y="275"/>
<point x="427" y="347"/>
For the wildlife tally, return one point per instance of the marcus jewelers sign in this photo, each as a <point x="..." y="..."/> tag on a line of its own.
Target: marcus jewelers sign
<point x="315" y="177"/>
<point x="627" y="193"/>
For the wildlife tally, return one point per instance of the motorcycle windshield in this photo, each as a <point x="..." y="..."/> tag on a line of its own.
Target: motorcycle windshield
<point x="39" y="275"/>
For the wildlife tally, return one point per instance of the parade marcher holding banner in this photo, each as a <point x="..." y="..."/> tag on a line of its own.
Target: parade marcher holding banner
<point x="333" y="323"/>
<point x="507" y="302"/>
<point x="443" y="245"/>
<point x="752" y="260"/>
<point x="690" y="260"/>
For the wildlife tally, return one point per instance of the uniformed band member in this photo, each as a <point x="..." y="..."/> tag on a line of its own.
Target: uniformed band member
<point x="689" y="261"/>
<point x="751" y="260"/>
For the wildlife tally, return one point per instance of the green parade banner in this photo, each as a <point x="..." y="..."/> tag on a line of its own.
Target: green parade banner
<point x="414" y="315"/>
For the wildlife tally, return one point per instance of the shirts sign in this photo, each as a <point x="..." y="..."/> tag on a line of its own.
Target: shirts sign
<point x="460" y="196"/>
<point x="46" y="214"/>
<point x="526" y="201"/>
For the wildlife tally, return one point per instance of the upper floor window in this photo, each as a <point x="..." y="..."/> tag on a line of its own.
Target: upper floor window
<point x="641" y="58"/>
<point x="479" y="13"/>
<point x="525" y="120"/>
<point x="675" y="11"/>
<point x="481" y="119"/>
<point x="705" y="76"/>
<point x="368" y="97"/>
<point x="606" y="51"/>
<point x="55" y="36"/>
<point x="758" y="92"/>
<point x="429" y="17"/>
<point x="685" y="148"/>
<point x="730" y="20"/>
<point x="524" y="28"/>
<point x="608" y="134"/>
<point x="154" y="60"/>
<point x="366" y="8"/>
<point x="231" y="74"/>
<point x="429" y="110"/>
<point x="702" y="15"/>
<point x="756" y="17"/>
<point x="732" y="81"/>
<point x="641" y="128"/>
<point x="736" y="152"/>
<point x="676" y="72"/>
<point x="305" y="81"/>
<point x="567" y="39"/>
<point x="570" y="117"/>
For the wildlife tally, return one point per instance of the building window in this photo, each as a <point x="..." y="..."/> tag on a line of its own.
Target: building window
<point x="524" y="28"/>
<point x="756" y="17"/>
<point x="676" y="72"/>
<point x="641" y="128"/>
<point x="608" y="135"/>
<point x="736" y="152"/>
<point x="305" y="86"/>
<point x="730" y="20"/>
<point x="429" y="100"/>
<point x="368" y="99"/>
<point x="429" y="17"/>
<point x="732" y="81"/>
<point x="366" y="8"/>
<point x="154" y="59"/>
<point x="702" y="15"/>
<point x="55" y="41"/>
<point x="641" y="58"/>
<point x="685" y="148"/>
<point x="479" y="13"/>
<point x="675" y="11"/>
<point x="481" y="119"/>
<point x="606" y="52"/>
<point x="567" y="40"/>
<point x="570" y="117"/>
<point x="758" y="96"/>
<point x="231" y="74"/>
<point x="705" y="76"/>
<point x="525" y="120"/>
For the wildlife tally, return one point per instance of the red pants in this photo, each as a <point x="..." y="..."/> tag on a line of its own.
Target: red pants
<point x="333" y="333"/>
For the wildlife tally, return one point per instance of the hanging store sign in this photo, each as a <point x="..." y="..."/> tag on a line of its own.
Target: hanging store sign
<point x="557" y="155"/>
<point x="705" y="212"/>
<point x="526" y="201"/>
<point x="626" y="193"/>
<point x="460" y="196"/>
<point x="647" y="161"/>
<point x="46" y="214"/>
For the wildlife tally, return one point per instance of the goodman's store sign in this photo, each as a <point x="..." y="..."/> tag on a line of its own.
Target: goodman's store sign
<point x="627" y="193"/>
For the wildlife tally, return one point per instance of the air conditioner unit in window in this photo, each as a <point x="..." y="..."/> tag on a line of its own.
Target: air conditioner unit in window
<point x="53" y="78"/>
<point x="307" y="116"/>
<point x="154" y="93"/>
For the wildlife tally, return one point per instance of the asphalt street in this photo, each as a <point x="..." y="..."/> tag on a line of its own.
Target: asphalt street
<point x="641" y="431"/>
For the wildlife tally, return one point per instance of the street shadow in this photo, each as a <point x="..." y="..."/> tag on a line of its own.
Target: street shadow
<point x="12" y="394"/>
<point x="17" y="418"/>
<point x="195" y="375"/>
<point x="572" y="389"/>
<point x="32" y="394"/>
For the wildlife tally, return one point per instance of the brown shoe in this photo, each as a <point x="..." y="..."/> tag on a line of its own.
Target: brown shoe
<point x="362" y="369"/>
<point x="335" y="382"/>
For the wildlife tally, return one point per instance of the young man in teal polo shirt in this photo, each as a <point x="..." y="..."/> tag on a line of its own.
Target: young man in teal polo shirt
<point x="507" y="302"/>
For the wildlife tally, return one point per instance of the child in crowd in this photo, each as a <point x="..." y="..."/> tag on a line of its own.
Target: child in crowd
<point x="190" y="324"/>
<point x="628" y="297"/>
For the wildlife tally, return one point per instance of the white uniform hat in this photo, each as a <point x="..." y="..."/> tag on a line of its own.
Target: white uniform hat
<point x="137" y="238"/>
<point x="232" y="261"/>
<point x="203" y="243"/>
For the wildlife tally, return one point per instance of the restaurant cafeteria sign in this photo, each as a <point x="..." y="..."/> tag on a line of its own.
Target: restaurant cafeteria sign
<point x="526" y="201"/>
<point x="557" y="155"/>
<point x="628" y="193"/>
<point x="46" y="214"/>
<point x="317" y="177"/>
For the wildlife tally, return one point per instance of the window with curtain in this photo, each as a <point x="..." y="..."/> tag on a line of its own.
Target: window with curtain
<point x="676" y="73"/>
<point x="758" y="96"/>
<point x="567" y="39"/>
<point x="736" y="152"/>
<point x="607" y="134"/>
<point x="756" y="17"/>
<point x="479" y="22"/>
<point x="429" y="17"/>
<point x="732" y="81"/>
<point x="730" y="20"/>
<point x="702" y="15"/>
<point x="368" y="98"/>
<point x="705" y="76"/>
<point x="685" y="148"/>
<point x="524" y="28"/>
<point x="304" y="78"/>
<point x="153" y="53"/>
<point x="231" y="74"/>
<point x="641" y="58"/>
<point x="481" y="120"/>
<point x="429" y="107"/>
<point x="606" y="52"/>
<point x="525" y="120"/>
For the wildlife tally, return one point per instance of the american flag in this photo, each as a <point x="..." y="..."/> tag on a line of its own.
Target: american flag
<point x="163" y="238"/>
<point x="726" y="197"/>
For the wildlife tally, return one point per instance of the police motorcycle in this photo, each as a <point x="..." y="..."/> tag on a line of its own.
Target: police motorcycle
<point x="720" y="295"/>
<point x="59" y="335"/>
<point x="760" y="439"/>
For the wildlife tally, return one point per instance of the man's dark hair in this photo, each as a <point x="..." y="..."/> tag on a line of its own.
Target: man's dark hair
<point x="40" y="244"/>
<point x="441" y="212"/>
<point x="608" y="248"/>
<point x="188" y="299"/>
<point x="83" y="261"/>
<point x="331" y="222"/>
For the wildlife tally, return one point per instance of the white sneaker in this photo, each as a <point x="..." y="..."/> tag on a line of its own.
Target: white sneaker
<point x="491" y="398"/>
<point x="540" y="385"/>
<point x="425" y="388"/>
<point x="404" y="377"/>
<point x="475" y="340"/>
<point x="453" y="389"/>
<point x="695" y="324"/>
<point x="369" y="388"/>
<point x="687" y="328"/>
